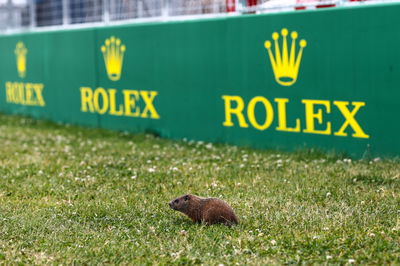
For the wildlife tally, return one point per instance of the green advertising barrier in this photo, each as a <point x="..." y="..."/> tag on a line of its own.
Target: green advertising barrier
<point x="328" y="79"/>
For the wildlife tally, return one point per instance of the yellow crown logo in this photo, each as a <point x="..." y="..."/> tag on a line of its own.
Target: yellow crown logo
<point x="113" y="52"/>
<point x="20" y="52"/>
<point x="285" y="65"/>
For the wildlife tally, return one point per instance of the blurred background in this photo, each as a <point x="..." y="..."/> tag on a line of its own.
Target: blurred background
<point x="23" y="15"/>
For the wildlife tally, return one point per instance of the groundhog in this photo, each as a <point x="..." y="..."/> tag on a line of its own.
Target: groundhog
<point x="206" y="210"/>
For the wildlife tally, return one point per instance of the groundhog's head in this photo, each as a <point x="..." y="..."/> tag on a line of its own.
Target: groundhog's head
<point x="180" y="204"/>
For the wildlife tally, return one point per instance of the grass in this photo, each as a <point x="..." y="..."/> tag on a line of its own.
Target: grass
<point x="75" y="195"/>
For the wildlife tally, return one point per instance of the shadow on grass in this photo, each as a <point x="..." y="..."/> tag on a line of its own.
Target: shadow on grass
<point x="189" y="223"/>
<point x="375" y="180"/>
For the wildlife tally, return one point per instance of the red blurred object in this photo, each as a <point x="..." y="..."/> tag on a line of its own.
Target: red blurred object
<point x="303" y="1"/>
<point x="315" y="1"/>
<point x="230" y="6"/>
<point x="251" y="2"/>
<point x="322" y="6"/>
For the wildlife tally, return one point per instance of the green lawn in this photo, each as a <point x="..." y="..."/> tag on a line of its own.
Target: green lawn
<point x="86" y="196"/>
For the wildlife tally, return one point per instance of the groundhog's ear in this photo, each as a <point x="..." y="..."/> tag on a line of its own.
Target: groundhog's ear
<point x="186" y="197"/>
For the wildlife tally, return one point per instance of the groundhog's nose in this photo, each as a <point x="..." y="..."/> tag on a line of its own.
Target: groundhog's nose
<point x="170" y="204"/>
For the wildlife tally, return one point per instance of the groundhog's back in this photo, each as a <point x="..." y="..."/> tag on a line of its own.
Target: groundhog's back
<point x="218" y="211"/>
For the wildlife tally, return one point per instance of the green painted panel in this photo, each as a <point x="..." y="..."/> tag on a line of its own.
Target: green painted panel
<point x="232" y="80"/>
<point x="71" y="61"/>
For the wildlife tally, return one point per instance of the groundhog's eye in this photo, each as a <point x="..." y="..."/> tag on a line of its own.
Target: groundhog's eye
<point x="186" y="197"/>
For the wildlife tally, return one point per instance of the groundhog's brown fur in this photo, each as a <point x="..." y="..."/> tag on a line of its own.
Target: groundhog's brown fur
<point x="206" y="210"/>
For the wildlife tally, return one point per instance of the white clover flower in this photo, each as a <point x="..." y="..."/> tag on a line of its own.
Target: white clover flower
<point x="273" y="242"/>
<point x="328" y="257"/>
<point x="351" y="260"/>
